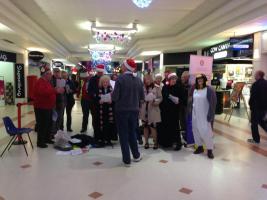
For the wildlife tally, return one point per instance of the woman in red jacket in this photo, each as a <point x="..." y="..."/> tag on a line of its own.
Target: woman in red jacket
<point x="44" y="102"/>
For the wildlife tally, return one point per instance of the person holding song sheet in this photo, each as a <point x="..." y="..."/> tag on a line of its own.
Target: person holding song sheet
<point x="106" y="112"/>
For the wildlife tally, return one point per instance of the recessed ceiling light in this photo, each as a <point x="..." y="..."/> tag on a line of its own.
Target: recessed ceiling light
<point x="150" y="53"/>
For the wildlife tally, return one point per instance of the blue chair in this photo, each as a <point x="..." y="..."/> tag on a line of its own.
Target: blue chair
<point x="15" y="133"/>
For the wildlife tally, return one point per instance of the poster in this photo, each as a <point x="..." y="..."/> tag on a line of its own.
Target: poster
<point x="237" y="91"/>
<point x="200" y="65"/>
<point x="2" y="93"/>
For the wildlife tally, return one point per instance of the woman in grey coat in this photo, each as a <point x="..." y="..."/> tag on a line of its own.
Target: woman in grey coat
<point x="203" y="112"/>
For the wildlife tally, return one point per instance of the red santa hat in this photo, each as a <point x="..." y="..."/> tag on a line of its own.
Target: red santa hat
<point x="45" y="69"/>
<point x="130" y="64"/>
<point x="100" y="68"/>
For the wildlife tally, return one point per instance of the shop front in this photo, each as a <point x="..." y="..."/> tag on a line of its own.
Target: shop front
<point x="233" y="63"/>
<point x="8" y="81"/>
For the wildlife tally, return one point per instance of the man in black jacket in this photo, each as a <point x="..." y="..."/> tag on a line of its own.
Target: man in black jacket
<point x="258" y="106"/>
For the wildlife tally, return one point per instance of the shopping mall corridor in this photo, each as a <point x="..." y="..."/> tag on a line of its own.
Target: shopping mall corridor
<point x="237" y="172"/>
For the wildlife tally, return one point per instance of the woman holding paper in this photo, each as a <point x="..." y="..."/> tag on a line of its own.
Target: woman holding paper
<point x="106" y="112"/>
<point x="172" y="97"/>
<point x="150" y="112"/>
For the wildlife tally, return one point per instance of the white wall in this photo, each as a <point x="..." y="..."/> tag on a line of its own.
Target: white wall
<point x="260" y="58"/>
<point x="7" y="70"/>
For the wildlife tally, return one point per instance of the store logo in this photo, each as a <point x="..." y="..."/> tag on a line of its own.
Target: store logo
<point x="3" y="57"/>
<point x="19" y="68"/>
<point x="36" y="55"/>
<point x="220" y="47"/>
<point x="19" y="73"/>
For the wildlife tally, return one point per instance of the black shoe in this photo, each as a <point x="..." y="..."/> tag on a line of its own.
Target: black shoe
<point x="140" y="142"/>
<point x="156" y="146"/>
<point x="42" y="145"/>
<point x="210" y="154"/>
<point x="177" y="147"/>
<point x="146" y="146"/>
<point x="69" y="130"/>
<point x="83" y="131"/>
<point x="49" y="142"/>
<point x="199" y="150"/>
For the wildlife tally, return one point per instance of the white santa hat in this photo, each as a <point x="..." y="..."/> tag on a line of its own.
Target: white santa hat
<point x="158" y="75"/>
<point x="84" y="74"/>
<point x="172" y="75"/>
<point x="130" y="64"/>
<point x="100" y="68"/>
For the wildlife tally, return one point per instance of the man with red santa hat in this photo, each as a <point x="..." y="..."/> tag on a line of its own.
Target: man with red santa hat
<point x="127" y="95"/>
<point x="93" y="91"/>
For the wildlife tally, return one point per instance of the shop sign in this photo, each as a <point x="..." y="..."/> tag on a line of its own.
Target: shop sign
<point x="221" y="47"/>
<point x="58" y="64"/>
<point x="200" y="65"/>
<point x="7" y="56"/>
<point x="19" y="81"/>
<point x="36" y="55"/>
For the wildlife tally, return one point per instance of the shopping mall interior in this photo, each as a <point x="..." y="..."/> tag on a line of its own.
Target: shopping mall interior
<point x="170" y="35"/>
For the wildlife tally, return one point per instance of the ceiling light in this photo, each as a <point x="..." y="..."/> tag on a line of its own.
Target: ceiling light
<point x="104" y="47"/>
<point x="150" y="53"/>
<point x="4" y="27"/>
<point x="85" y="25"/>
<point x="142" y="3"/>
<point x="43" y="50"/>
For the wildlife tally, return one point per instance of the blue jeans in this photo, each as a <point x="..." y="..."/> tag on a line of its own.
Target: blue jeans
<point x="126" y="124"/>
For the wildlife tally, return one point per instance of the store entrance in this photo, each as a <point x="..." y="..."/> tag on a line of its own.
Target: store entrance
<point x="7" y="82"/>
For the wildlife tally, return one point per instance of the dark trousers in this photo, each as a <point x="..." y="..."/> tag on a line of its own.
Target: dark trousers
<point x="182" y="121"/>
<point x="60" y="118"/>
<point x="93" y="106"/>
<point x="170" y="132"/>
<point x="126" y="124"/>
<point x="257" y="119"/>
<point x="69" y="107"/>
<point x="44" y="125"/>
<point x="85" y="110"/>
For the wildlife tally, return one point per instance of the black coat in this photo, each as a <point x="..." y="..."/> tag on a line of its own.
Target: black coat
<point x="258" y="95"/>
<point x="93" y="88"/>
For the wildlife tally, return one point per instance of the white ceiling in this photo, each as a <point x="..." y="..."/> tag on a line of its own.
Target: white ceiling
<point x="167" y="25"/>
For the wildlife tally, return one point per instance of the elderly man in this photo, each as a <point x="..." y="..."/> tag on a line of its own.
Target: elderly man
<point x="258" y="106"/>
<point x="127" y="95"/>
<point x="44" y="102"/>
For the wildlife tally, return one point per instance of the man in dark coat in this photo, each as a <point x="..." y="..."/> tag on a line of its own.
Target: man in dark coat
<point x="258" y="106"/>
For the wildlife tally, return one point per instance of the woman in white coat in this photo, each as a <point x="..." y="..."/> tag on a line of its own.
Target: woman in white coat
<point x="204" y="104"/>
<point x="150" y="112"/>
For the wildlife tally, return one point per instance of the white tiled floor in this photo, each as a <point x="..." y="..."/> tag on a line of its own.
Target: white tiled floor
<point x="237" y="172"/>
